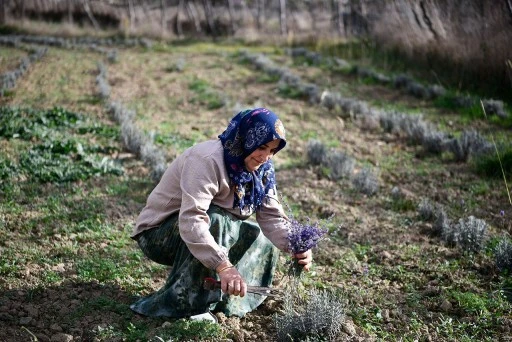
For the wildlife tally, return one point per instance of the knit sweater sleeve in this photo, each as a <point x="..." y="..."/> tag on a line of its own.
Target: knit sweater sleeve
<point x="273" y="221"/>
<point x="199" y="184"/>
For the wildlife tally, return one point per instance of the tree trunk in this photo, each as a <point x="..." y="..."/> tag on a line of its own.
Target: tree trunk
<point x="339" y="16"/>
<point x="509" y="5"/>
<point x="132" y="15"/>
<point x="231" y="9"/>
<point x="162" y="16"/>
<point x="22" y="10"/>
<point x="208" y="12"/>
<point x="312" y="13"/>
<point x="261" y="13"/>
<point x="179" y="28"/>
<point x="192" y="13"/>
<point x="3" y="11"/>
<point x="70" y="11"/>
<point x="282" y="17"/>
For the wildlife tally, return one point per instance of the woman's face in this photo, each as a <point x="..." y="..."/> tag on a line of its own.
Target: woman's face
<point x="261" y="155"/>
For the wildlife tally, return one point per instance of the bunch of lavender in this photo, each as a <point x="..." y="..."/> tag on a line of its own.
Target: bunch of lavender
<point x="301" y="238"/>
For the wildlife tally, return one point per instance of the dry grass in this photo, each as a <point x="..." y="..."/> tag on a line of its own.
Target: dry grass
<point x="10" y="58"/>
<point x="473" y="38"/>
<point x="66" y="77"/>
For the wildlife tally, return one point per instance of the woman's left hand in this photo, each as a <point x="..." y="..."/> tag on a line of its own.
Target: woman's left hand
<point x="305" y="259"/>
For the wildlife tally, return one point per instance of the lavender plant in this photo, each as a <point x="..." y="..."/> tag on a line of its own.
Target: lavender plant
<point x="318" y="316"/>
<point x="316" y="152"/>
<point x="340" y="165"/>
<point x="469" y="234"/>
<point x="495" y="107"/>
<point x="441" y="222"/>
<point x="366" y="182"/>
<point x="426" y="210"/>
<point x="503" y="256"/>
<point x="434" y="142"/>
<point x="470" y="142"/>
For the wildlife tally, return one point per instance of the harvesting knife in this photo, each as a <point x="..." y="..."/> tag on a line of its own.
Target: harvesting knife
<point x="212" y="284"/>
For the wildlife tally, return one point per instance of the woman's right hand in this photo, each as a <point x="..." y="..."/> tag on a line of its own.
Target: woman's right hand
<point x="231" y="281"/>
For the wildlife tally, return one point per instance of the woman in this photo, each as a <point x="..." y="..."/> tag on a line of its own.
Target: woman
<point x="196" y="220"/>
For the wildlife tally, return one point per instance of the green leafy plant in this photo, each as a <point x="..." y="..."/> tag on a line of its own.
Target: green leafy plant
<point x="187" y="330"/>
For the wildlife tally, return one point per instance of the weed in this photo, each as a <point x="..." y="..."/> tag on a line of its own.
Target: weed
<point x="206" y="95"/>
<point x="266" y="78"/>
<point x="289" y="91"/>
<point x="188" y="330"/>
<point x="402" y="205"/>
<point x="100" y="269"/>
<point x="55" y="156"/>
<point x="470" y="302"/>
<point x="136" y="332"/>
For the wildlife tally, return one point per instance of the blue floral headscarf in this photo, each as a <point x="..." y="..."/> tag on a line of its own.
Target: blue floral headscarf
<point x="247" y="131"/>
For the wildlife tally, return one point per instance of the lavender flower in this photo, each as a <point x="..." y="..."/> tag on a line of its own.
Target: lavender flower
<point x="303" y="237"/>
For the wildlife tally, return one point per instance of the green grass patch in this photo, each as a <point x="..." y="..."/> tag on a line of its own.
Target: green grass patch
<point x="267" y="78"/>
<point x="290" y="92"/>
<point x="402" y="205"/>
<point x="186" y="330"/>
<point x="490" y="166"/>
<point x="62" y="148"/>
<point x="205" y="95"/>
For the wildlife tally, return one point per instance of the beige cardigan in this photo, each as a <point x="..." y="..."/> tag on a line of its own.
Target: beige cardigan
<point x="193" y="181"/>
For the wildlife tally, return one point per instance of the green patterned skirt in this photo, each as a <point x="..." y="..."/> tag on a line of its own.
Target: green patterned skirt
<point x="183" y="295"/>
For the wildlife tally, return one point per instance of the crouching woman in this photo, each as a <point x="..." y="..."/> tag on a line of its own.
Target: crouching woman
<point x="198" y="219"/>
